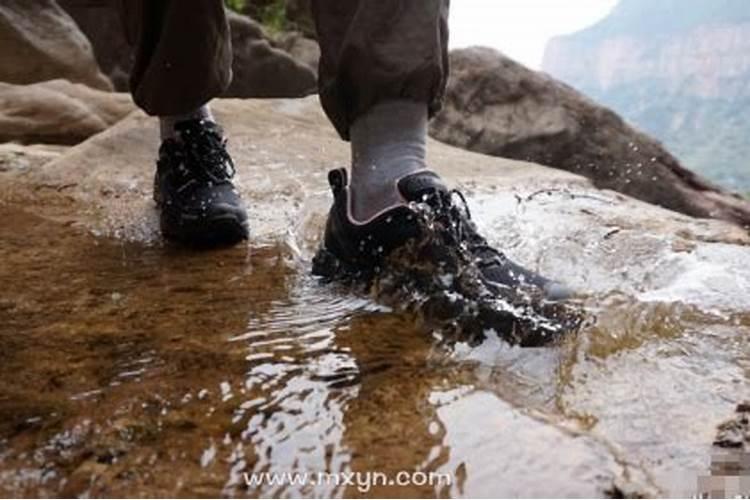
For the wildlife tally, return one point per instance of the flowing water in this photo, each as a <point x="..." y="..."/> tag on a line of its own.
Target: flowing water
<point x="133" y="368"/>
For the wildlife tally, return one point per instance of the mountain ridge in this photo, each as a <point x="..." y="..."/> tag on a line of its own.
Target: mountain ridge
<point x="679" y="70"/>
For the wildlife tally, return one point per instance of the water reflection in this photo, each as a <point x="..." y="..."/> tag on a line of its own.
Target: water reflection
<point x="295" y="391"/>
<point x="141" y="370"/>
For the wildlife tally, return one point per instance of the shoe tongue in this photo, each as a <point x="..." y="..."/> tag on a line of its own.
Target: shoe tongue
<point x="414" y="187"/>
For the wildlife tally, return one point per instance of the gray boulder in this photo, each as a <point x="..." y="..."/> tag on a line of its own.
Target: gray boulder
<point x="260" y="69"/>
<point x="101" y="23"/>
<point x="39" y="41"/>
<point x="498" y="107"/>
<point x="58" y="112"/>
<point x="303" y="49"/>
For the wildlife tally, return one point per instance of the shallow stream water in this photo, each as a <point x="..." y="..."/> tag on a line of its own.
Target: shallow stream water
<point x="133" y="368"/>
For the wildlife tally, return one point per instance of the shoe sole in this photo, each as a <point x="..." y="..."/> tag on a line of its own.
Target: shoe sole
<point x="218" y="231"/>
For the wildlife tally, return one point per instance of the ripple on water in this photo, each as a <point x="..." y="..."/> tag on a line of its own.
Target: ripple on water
<point x="133" y="369"/>
<point x="297" y="384"/>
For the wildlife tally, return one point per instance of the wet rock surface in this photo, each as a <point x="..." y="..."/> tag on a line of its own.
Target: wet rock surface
<point x="22" y="157"/>
<point x="730" y="462"/>
<point x="130" y="367"/>
<point x="498" y="107"/>
<point x="735" y="433"/>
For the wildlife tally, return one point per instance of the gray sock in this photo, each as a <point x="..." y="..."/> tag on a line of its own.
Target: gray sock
<point x="388" y="142"/>
<point x="167" y="123"/>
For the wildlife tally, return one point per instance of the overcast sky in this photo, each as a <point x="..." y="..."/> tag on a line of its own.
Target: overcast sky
<point x="521" y="28"/>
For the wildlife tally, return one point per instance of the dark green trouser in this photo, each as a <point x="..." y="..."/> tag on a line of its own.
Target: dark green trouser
<point x="371" y="50"/>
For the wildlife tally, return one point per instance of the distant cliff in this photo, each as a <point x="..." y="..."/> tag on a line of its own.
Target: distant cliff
<point x="679" y="70"/>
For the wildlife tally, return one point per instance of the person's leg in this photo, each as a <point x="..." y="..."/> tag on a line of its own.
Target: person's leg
<point x="183" y="59"/>
<point x="383" y="70"/>
<point x="183" y="53"/>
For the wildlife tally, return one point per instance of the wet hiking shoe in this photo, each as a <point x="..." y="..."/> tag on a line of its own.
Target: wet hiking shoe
<point x="354" y="247"/>
<point x="427" y="256"/>
<point x="193" y="188"/>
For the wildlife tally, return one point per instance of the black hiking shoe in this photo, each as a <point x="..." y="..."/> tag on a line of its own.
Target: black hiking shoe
<point x="359" y="249"/>
<point x="193" y="188"/>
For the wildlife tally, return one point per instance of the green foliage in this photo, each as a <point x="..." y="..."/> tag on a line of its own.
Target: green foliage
<point x="236" y="5"/>
<point x="273" y="16"/>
